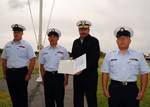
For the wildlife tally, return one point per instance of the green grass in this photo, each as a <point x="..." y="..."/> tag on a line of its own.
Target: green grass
<point x="4" y="99"/>
<point x="102" y="101"/>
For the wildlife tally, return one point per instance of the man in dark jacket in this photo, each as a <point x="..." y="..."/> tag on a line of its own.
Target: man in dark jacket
<point x="85" y="82"/>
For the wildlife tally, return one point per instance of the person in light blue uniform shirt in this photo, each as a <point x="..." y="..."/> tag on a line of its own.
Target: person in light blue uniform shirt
<point x="131" y="64"/>
<point x="18" y="60"/>
<point x="123" y="66"/>
<point x="50" y="57"/>
<point x="18" y="54"/>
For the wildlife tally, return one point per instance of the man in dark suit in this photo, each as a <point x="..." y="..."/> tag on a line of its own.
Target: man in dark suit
<point x="85" y="82"/>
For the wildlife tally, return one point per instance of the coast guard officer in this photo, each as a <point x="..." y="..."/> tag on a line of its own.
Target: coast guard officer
<point x="49" y="61"/>
<point x="85" y="82"/>
<point x="123" y="65"/>
<point x="18" y="60"/>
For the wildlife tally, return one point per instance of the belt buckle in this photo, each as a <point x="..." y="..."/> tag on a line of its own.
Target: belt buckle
<point x="13" y="69"/>
<point x="54" y="73"/>
<point x="125" y="83"/>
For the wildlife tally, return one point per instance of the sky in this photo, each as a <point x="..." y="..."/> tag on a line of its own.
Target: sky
<point x="105" y="16"/>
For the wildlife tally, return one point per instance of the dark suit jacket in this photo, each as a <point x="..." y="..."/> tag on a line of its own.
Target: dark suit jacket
<point x="91" y="47"/>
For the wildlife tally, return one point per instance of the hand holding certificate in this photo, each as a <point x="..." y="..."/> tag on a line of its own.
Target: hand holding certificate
<point x="72" y="66"/>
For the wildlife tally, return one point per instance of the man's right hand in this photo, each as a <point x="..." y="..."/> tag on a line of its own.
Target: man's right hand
<point x="106" y="93"/>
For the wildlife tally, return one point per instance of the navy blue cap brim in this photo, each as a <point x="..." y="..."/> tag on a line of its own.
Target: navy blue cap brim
<point x="18" y="29"/>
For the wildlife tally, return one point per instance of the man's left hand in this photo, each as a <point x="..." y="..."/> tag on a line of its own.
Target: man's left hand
<point x="65" y="81"/>
<point x="28" y="77"/>
<point x="140" y="96"/>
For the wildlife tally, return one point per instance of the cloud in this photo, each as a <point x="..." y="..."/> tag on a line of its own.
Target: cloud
<point x="105" y="16"/>
<point x="15" y="4"/>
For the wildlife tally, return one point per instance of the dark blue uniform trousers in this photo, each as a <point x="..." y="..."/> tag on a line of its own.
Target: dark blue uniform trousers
<point x="85" y="84"/>
<point x="17" y="86"/>
<point x="54" y="89"/>
<point x="123" y="95"/>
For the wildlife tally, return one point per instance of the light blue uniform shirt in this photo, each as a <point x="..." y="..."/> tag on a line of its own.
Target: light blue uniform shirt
<point x="125" y="67"/>
<point x="50" y="57"/>
<point x="17" y="54"/>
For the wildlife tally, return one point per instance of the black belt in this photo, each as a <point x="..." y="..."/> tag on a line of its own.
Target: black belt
<point x="125" y="83"/>
<point x="51" y="72"/>
<point x="17" y="69"/>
